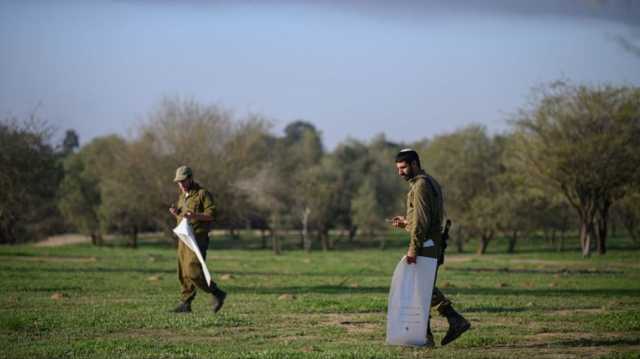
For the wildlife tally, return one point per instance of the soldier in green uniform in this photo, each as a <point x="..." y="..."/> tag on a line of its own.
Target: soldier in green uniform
<point x="195" y="204"/>
<point x="423" y="221"/>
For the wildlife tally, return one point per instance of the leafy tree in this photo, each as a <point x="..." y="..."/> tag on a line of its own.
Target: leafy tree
<point x="628" y="210"/>
<point x="381" y="193"/>
<point x="466" y="164"/>
<point x="70" y="143"/>
<point x="350" y="161"/>
<point x="29" y="179"/>
<point x="82" y="190"/>
<point x="583" y="142"/>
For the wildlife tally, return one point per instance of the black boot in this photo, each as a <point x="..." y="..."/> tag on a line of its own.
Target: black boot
<point x="457" y="324"/>
<point x="218" y="298"/>
<point x="182" y="308"/>
<point x="430" y="343"/>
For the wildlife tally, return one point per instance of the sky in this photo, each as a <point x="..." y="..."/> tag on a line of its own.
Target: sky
<point x="409" y="69"/>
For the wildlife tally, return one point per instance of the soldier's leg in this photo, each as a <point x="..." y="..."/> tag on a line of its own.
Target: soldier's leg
<point x="457" y="323"/>
<point x="188" y="289"/>
<point x="199" y="279"/>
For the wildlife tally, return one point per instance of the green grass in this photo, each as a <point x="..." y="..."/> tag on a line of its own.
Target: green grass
<point x="113" y="302"/>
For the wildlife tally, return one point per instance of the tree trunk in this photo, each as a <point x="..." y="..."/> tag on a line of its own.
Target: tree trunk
<point x="603" y="221"/>
<point x="512" y="242"/>
<point x="484" y="242"/>
<point x="96" y="238"/>
<point x="263" y="235"/>
<point x="133" y="237"/>
<point x="306" y="240"/>
<point x="353" y="230"/>
<point x="7" y="234"/>
<point x="275" y="242"/>
<point x="324" y="240"/>
<point x="586" y="230"/>
<point x="459" y="240"/>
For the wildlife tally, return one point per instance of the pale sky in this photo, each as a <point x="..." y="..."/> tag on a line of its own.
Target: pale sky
<point x="409" y="69"/>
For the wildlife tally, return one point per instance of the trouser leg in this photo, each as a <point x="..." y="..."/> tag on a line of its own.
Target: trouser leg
<point x="190" y="272"/>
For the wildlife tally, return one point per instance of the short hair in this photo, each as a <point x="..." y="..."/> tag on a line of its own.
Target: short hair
<point x="408" y="155"/>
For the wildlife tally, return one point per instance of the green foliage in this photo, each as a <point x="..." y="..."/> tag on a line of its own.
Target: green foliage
<point x="28" y="180"/>
<point x="582" y="142"/>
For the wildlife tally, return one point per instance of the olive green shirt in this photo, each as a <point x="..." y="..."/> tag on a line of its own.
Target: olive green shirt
<point x="425" y="209"/>
<point x="196" y="200"/>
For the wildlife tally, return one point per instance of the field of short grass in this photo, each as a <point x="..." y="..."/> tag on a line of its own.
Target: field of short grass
<point x="79" y="301"/>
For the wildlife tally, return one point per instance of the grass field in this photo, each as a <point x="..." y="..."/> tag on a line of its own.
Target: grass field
<point x="79" y="301"/>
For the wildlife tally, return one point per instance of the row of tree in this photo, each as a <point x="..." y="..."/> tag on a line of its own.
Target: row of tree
<point x="570" y="160"/>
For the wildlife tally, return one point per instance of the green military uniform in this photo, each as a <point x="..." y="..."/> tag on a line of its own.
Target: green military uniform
<point x="425" y="211"/>
<point x="190" y="274"/>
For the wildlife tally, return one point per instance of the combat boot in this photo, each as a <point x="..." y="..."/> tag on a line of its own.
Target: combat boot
<point x="182" y="308"/>
<point x="457" y="324"/>
<point x="218" y="298"/>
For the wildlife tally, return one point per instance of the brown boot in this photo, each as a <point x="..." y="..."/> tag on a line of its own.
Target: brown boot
<point x="218" y="298"/>
<point x="457" y="324"/>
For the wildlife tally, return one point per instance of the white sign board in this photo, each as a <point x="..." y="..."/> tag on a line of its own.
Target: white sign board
<point x="409" y="301"/>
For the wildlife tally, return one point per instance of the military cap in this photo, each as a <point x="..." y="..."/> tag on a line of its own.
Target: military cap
<point x="182" y="173"/>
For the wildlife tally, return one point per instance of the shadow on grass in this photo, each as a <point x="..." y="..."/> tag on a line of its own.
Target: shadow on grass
<point x="53" y="289"/>
<point x="485" y="309"/>
<point x="551" y="292"/>
<point x="535" y="271"/>
<point x="598" y="342"/>
<point x="8" y="269"/>
<point x="319" y="289"/>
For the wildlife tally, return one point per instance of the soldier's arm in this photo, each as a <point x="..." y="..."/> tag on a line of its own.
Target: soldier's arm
<point x="208" y="209"/>
<point x="420" y="221"/>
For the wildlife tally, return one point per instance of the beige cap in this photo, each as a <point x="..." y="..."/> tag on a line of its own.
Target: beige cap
<point x="182" y="173"/>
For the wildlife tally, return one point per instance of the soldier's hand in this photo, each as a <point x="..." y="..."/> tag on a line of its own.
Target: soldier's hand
<point x="411" y="256"/>
<point x="173" y="210"/>
<point x="189" y="215"/>
<point x="399" y="222"/>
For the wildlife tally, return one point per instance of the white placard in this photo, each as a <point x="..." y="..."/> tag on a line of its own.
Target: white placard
<point x="409" y="301"/>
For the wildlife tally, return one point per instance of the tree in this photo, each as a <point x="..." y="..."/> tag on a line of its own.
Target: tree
<point x="367" y="211"/>
<point x="271" y="194"/>
<point x="628" y="210"/>
<point x="82" y="190"/>
<point x="70" y="143"/>
<point x="182" y="132"/>
<point x="29" y="179"/>
<point x="381" y="193"/>
<point x="583" y="142"/>
<point x="350" y="159"/>
<point x="466" y="163"/>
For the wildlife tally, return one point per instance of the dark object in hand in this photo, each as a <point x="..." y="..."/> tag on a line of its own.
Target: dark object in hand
<point x="445" y="239"/>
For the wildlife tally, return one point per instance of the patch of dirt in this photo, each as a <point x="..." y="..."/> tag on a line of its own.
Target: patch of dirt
<point x="567" y="312"/>
<point x="63" y="239"/>
<point x="458" y="259"/>
<point x="353" y="323"/>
